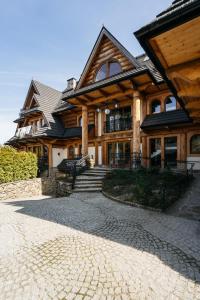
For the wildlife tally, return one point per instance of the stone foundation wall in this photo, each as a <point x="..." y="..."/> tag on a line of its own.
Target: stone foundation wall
<point x="34" y="187"/>
<point x="20" y="189"/>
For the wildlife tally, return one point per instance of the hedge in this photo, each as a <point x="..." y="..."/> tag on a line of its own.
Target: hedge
<point x="16" y="165"/>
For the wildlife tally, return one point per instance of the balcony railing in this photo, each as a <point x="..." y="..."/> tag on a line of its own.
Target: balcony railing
<point x="121" y="124"/>
<point x="26" y="131"/>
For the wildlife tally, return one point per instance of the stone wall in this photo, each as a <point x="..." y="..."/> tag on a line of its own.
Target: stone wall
<point x="34" y="187"/>
<point x="20" y="189"/>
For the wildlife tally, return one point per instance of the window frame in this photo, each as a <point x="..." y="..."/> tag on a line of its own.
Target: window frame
<point x="166" y="99"/>
<point x="107" y="63"/>
<point x="151" y="106"/>
<point x="191" y="138"/>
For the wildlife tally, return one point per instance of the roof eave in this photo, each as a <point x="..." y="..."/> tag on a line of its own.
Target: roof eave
<point x="142" y="70"/>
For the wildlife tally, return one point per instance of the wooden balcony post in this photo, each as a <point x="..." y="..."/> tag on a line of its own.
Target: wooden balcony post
<point x="50" y="155"/>
<point x="136" y="121"/>
<point x="84" y="130"/>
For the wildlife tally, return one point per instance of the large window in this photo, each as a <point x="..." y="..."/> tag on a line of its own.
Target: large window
<point x="108" y="69"/>
<point x="170" y="151"/>
<point x="155" y="152"/>
<point x="155" y="107"/>
<point x="170" y="103"/>
<point x="118" y="120"/>
<point x="195" y="144"/>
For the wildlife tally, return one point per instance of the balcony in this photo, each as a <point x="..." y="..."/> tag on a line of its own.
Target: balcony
<point x="25" y="131"/>
<point x="122" y="124"/>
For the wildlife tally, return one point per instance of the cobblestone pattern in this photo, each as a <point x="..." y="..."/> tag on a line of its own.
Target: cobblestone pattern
<point x="88" y="247"/>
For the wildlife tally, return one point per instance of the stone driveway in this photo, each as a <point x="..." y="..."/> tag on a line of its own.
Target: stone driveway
<point x="88" y="247"/>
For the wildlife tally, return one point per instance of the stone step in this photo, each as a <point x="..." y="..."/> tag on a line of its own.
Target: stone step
<point x="99" y="185"/>
<point x="94" y="174"/>
<point x="89" y="178"/>
<point x="80" y="190"/>
<point x="86" y="182"/>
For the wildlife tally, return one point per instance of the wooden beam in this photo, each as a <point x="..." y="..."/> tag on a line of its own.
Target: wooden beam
<point x="134" y="86"/>
<point x="103" y="93"/>
<point x="113" y="96"/>
<point x="183" y="66"/>
<point x="81" y="101"/>
<point x="190" y="91"/>
<point x="121" y="87"/>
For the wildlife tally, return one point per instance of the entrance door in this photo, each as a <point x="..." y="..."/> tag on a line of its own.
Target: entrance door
<point x="119" y="154"/>
<point x="171" y="151"/>
<point x="155" y="152"/>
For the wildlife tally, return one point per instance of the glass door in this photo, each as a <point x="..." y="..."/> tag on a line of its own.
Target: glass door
<point x="119" y="154"/>
<point x="171" y="151"/>
<point x="155" y="152"/>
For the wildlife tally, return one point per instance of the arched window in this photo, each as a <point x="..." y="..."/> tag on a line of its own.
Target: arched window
<point x="155" y="107"/>
<point x="170" y="103"/>
<point x="108" y="69"/>
<point x="195" y="144"/>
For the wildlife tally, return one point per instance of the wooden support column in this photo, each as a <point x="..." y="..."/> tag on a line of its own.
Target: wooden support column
<point x="144" y="152"/>
<point x="136" y="121"/>
<point x="84" y="130"/>
<point x="96" y="154"/>
<point x="50" y="155"/>
<point x="183" y="147"/>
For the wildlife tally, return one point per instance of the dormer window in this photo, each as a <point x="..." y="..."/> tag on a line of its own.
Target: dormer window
<point x="107" y="70"/>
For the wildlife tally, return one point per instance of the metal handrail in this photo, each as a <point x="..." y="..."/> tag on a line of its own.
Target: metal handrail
<point x="136" y="160"/>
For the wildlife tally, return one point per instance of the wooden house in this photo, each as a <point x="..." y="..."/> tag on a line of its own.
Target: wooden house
<point x="121" y="105"/>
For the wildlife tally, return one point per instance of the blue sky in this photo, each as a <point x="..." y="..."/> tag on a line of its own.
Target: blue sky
<point x="51" y="40"/>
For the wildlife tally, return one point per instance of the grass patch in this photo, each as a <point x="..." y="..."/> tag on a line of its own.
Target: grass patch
<point x="149" y="187"/>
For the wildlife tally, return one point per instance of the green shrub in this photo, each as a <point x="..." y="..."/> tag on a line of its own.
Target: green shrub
<point x="16" y="165"/>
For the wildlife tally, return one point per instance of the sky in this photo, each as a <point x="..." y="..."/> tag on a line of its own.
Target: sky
<point x="50" y="40"/>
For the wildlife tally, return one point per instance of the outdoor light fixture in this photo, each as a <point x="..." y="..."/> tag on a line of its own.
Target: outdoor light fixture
<point x="116" y="105"/>
<point x="107" y="111"/>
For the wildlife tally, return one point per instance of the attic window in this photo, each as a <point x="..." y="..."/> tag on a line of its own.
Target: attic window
<point x="108" y="69"/>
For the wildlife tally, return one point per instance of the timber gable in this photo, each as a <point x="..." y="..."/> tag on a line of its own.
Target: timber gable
<point x="107" y="48"/>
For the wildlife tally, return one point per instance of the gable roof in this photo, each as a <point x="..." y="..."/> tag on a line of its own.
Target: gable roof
<point x="47" y="99"/>
<point x="122" y="49"/>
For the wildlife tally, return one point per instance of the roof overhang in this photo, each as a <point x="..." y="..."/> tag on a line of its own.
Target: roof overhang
<point x="173" y="44"/>
<point x="120" y="85"/>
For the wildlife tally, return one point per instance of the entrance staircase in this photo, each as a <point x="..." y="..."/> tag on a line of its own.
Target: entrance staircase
<point x="90" y="180"/>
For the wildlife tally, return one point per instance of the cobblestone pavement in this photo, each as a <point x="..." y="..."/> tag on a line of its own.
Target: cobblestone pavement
<point x="88" y="247"/>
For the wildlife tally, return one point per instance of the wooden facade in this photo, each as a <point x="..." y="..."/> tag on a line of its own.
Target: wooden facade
<point x="109" y="115"/>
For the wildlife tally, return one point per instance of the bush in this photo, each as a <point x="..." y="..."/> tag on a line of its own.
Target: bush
<point x="16" y="165"/>
<point x="150" y="187"/>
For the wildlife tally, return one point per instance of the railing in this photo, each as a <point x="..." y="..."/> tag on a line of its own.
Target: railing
<point x="136" y="160"/>
<point x="74" y="167"/>
<point x="26" y="131"/>
<point x="124" y="123"/>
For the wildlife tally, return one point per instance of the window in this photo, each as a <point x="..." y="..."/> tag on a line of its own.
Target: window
<point x="118" y="120"/>
<point x="170" y="151"/>
<point x="114" y="68"/>
<point x="108" y="69"/>
<point x="101" y="74"/>
<point x="155" y="107"/>
<point x="155" y="151"/>
<point x="170" y="103"/>
<point x="195" y="144"/>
